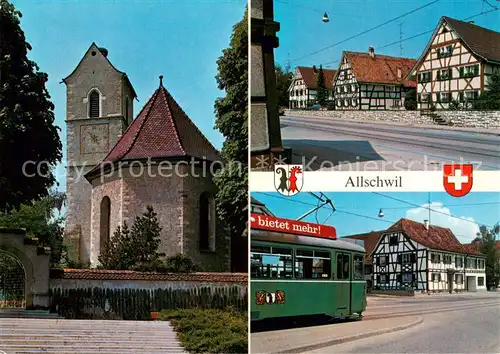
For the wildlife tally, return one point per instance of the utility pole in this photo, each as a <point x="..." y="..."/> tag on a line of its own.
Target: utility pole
<point x="287" y="66"/>
<point x="401" y="39"/>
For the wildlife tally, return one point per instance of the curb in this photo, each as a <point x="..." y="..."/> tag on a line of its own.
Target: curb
<point x="337" y="341"/>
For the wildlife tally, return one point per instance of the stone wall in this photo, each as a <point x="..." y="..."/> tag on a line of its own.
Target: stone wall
<point x="464" y="119"/>
<point x="114" y="294"/>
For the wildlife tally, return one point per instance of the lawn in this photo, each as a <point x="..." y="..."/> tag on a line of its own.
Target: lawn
<point x="210" y="330"/>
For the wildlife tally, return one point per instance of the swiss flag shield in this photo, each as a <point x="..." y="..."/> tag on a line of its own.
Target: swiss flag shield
<point x="457" y="179"/>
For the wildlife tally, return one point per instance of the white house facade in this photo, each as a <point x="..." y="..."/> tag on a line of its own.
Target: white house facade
<point x="412" y="255"/>
<point x="303" y="88"/>
<point x="456" y="64"/>
<point x="369" y="81"/>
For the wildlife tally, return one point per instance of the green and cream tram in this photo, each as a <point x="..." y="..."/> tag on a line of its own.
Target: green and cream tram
<point x="295" y="275"/>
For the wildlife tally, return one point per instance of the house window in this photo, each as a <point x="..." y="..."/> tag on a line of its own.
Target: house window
<point x="480" y="281"/>
<point x="445" y="97"/>
<point x="447" y="259"/>
<point x="368" y="269"/>
<point x="382" y="278"/>
<point x="469" y="71"/>
<point x="207" y="222"/>
<point x="407" y="277"/>
<point x="446" y="51"/>
<point x="94" y="104"/>
<point x="459" y="279"/>
<point x="397" y="103"/>
<point x="342" y="266"/>
<point x="358" y="267"/>
<point x="435" y="258"/>
<point x="382" y="260"/>
<point x="105" y="220"/>
<point x="445" y="74"/>
<point x="436" y="277"/>
<point x="471" y="95"/>
<point x="459" y="262"/>
<point x="349" y="88"/>
<point x="426" y="97"/>
<point x="425" y="76"/>
<point x="354" y="102"/>
<point x="393" y="240"/>
<point x="271" y="262"/>
<point x="408" y="258"/>
<point x="312" y="264"/>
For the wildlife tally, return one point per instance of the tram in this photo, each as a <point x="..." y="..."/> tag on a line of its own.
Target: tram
<point x="298" y="275"/>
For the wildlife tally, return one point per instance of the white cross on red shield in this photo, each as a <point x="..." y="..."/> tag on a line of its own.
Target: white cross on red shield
<point x="457" y="179"/>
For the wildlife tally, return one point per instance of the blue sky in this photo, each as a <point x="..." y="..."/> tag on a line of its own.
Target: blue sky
<point x="180" y="40"/>
<point x="472" y="207"/>
<point x="302" y="31"/>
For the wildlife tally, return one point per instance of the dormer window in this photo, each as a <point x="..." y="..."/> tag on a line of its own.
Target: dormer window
<point x="94" y="102"/>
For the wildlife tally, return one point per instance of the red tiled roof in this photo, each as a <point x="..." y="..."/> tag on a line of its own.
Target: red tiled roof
<point x="310" y="79"/>
<point x="381" y="68"/>
<point x="438" y="238"/>
<point x="95" y="274"/>
<point x="371" y="240"/>
<point x="161" y="130"/>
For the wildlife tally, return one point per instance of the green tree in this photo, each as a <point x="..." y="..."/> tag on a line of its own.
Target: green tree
<point x="490" y="99"/>
<point x="42" y="220"/>
<point x="488" y="248"/>
<point x="411" y="100"/>
<point x="283" y="81"/>
<point x="27" y="130"/>
<point x="232" y="121"/>
<point x="135" y="248"/>
<point x="322" y="91"/>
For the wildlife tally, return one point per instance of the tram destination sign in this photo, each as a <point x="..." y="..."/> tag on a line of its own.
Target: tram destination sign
<point x="272" y="223"/>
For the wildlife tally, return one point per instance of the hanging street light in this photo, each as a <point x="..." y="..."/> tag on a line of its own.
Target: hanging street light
<point x="325" y="18"/>
<point x="380" y="214"/>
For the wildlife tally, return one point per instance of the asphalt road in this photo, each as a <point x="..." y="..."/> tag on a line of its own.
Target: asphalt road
<point x="472" y="330"/>
<point x="328" y="144"/>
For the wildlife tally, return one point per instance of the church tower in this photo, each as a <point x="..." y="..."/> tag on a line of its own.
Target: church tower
<point x="99" y="107"/>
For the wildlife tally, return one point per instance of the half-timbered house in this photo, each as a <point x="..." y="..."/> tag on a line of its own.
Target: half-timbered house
<point x="425" y="258"/>
<point x="371" y="81"/>
<point x="303" y="88"/>
<point x="455" y="65"/>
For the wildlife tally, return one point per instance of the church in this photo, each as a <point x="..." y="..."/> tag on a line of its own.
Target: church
<point x="117" y="165"/>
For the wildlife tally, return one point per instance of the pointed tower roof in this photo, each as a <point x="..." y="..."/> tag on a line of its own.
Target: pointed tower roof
<point x="162" y="130"/>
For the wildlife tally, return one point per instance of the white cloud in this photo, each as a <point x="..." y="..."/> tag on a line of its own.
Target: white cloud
<point x="464" y="230"/>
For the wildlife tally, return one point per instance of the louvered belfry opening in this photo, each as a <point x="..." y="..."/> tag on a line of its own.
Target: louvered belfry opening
<point x="94" y="104"/>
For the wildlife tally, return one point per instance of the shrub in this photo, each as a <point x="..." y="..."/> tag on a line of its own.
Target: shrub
<point x="330" y="106"/>
<point x="209" y="330"/>
<point x="180" y="264"/>
<point x="411" y="100"/>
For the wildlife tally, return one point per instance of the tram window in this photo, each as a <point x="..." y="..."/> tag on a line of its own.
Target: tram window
<point x="275" y="263"/>
<point x="342" y="266"/>
<point x="312" y="265"/>
<point x="358" y="267"/>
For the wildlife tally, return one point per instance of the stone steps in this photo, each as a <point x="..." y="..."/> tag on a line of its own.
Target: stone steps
<point x="29" y="335"/>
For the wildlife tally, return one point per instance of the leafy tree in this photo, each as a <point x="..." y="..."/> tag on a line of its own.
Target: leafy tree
<point x="232" y="121"/>
<point x="135" y="248"/>
<point x="283" y="81"/>
<point x="487" y="247"/>
<point x="41" y="220"/>
<point x="411" y="100"/>
<point x="322" y="91"/>
<point x="27" y="130"/>
<point x="490" y="99"/>
<point x="180" y="264"/>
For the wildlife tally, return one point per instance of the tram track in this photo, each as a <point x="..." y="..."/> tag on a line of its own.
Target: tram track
<point x="428" y="311"/>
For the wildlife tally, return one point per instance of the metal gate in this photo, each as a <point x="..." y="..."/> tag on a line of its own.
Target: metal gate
<point x="12" y="282"/>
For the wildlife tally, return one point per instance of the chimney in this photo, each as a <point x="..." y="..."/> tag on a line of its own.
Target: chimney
<point x="399" y="74"/>
<point x="426" y="224"/>
<point x="371" y="51"/>
<point x="314" y="69"/>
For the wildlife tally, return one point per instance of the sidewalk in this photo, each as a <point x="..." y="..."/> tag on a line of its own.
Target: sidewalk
<point x="399" y="124"/>
<point x="301" y="340"/>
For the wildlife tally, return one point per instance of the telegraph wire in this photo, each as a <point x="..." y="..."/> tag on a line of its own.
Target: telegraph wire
<point x="318" y="10"/>
<point x="368" y="30"/>
<point x="430" y="209"/>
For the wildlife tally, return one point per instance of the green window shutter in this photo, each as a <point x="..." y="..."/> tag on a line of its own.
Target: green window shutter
<point x="462" y="70"/>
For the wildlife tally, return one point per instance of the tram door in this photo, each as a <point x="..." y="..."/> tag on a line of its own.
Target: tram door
<point x="343" y="284"/>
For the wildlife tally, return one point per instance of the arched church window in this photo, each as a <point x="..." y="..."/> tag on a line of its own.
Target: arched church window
<point x="105" y="222"/>
<point x="126" y="108"/>
<point x="207" y="222"/>
<point x="94" y="104"/>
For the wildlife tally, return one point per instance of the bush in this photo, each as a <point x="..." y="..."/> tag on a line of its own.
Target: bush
<point x="209" y="330"/>
<point x="411" y="100"/>
<point x="181" y="264"/>
<point x="330" y="106"/>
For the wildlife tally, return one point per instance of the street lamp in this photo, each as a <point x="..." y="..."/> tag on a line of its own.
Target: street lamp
<point x="325" y="18"/>
<point x="380" y="214"/>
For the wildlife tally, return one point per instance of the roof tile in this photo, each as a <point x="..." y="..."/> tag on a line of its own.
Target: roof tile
<point x="309" y="76"/>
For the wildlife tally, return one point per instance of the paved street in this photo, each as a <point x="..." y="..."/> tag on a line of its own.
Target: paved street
<point x="353" y="146"/>
<point x="458" y="323"/>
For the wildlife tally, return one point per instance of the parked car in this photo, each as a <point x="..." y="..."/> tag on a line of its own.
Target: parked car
<point x="315" y="107"/>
